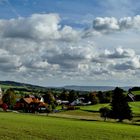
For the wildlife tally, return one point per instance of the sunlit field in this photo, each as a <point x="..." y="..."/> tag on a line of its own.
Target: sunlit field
<point x="24" y="126"/>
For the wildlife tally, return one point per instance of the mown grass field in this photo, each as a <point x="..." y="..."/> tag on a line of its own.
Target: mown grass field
<point x="93" y="108"/>
<point x="91" y="112"/>
<point x="136" y="92"/>
<point x="25" y="127"/>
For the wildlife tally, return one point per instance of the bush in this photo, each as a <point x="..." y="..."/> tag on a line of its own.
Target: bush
<point x="105" y="113"/>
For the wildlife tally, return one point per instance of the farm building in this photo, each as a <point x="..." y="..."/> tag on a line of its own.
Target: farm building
<point x="30" y="105"/>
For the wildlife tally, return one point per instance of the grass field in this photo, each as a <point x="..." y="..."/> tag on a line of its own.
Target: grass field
<point x="91" y="112"/>
<point x="135" y="106"/>
<point x="25" y="127"/>
<point x="93" y="108"/>
<point x="10" y="86"/>
<point x="136" y="92"/>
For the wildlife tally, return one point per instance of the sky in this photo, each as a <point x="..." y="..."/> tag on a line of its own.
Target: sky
<point x="70" y="42"/>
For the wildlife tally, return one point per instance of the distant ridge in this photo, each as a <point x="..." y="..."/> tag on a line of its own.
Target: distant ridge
<point x="93" y="88"/>
<point x="17" y="86"/>
<point x="69" y="87"/>
<point x="13" y="83"/>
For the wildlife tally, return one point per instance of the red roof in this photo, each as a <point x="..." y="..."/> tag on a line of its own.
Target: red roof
<point x="28" y="100"/>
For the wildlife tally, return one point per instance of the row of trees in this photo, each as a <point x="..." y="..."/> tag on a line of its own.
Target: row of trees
<point x="94" y="97"/>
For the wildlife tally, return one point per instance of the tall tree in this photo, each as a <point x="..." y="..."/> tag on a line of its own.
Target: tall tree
<point x="73" y="95"/>
<point x="9" y="98"/>
<point x="93" y="98"/>
<point x="119" y="106"/>
<point x="49" y="98"/>
<point x="64" y="95"/>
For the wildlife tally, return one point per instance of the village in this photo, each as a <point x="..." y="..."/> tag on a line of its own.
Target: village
<point x="41" y="104"/>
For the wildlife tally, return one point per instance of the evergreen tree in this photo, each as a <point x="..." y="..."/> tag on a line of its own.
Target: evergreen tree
<point x="120" y="107"/>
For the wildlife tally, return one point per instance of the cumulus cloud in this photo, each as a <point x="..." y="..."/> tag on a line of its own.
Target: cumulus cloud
<point x="37" y="26"/>
<point x="119" y="52"/>
<point x="105" y="24"/>
<point x="39" y="46"/>
<point x="68" y="56"/>
<point x="111" y="24"/>
<point x="118" y="60"/>
<point x="132" y="64"/>
<point x="9" y="62"/>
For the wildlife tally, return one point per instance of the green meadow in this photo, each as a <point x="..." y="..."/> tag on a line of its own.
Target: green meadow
<point x="14" y="126"/>
<point x="91" y="112"/>
<point x="136" y="92"/>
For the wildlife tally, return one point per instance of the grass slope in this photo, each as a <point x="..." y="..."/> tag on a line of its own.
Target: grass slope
<point x="136" y="92"/>
<point x="26" y="127"/>
<point x="91" y="112"/>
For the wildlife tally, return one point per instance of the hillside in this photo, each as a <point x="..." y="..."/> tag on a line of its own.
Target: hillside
<point x="17" y="86"/>
<point x="35" y="88"/>
<point x="25" y="127"/>
<point x="93" y="88"/>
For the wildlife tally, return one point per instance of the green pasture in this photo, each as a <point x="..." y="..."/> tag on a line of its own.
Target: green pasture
<point x="26" y="127"/>
<point x="5" y="86"/>
<point x="135" y="106"/>
<point x="136" y="92"/>
<point x="93" y="108"/>
<point x="91" y="112"/>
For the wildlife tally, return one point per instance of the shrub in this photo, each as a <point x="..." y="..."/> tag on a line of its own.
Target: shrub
<point x="105" y="113"/>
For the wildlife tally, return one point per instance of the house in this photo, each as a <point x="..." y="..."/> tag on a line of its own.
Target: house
<point x="30" y="104"/>
<point x="80" y="101"/>
<point x="77" y="102"/>
<point x="59" y="102"/>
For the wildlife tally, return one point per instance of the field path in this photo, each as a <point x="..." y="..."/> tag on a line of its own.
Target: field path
<point x="73" y="116"/>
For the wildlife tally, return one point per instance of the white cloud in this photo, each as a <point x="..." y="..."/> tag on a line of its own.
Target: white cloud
<point x="40" y="47"/>
<point x="9" y="62"/>
<point x="111" y="24"/>
<point x="119" y="52"/>
<point x="37" y="27"/>
<point x="132" y="64"/>
<point x="105" y="24"/>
